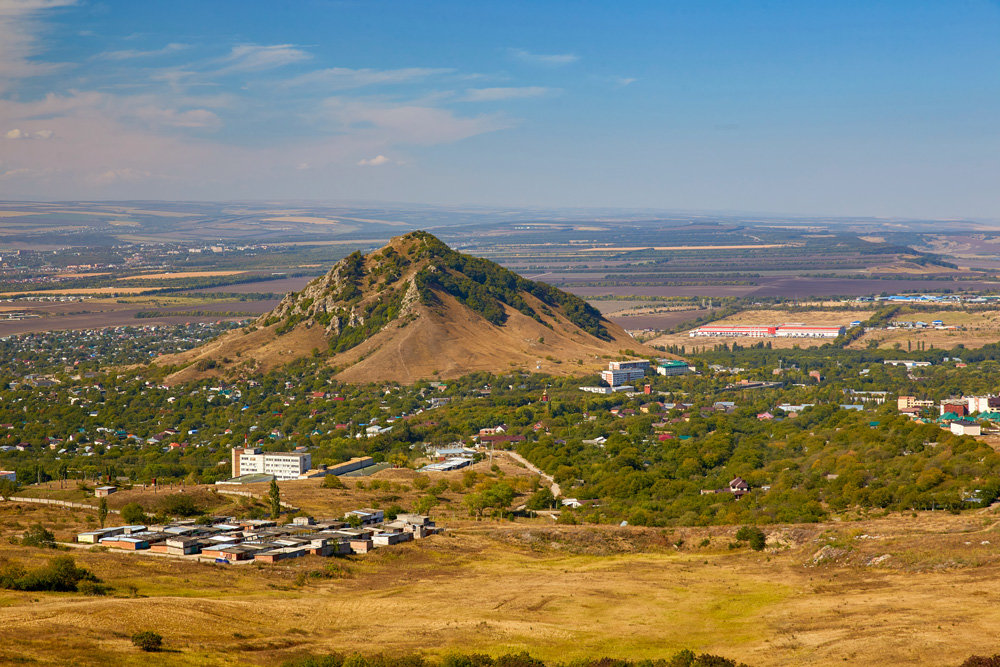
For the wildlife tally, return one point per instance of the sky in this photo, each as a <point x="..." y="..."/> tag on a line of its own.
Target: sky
<point x="810" y="107"/>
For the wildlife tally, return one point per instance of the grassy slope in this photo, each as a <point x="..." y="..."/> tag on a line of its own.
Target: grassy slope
<point x="559" y="592"/>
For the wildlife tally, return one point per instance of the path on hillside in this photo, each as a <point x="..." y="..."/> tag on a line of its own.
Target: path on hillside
<point x="556" y="491"/>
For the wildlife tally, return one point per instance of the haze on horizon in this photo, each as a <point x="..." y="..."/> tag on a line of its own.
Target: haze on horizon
<point x="853" y="108"/>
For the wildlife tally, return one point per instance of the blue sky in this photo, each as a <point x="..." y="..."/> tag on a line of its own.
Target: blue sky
<point x="848" y="108"/>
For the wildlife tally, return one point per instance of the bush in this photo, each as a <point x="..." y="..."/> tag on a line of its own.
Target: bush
<point x="147" y="640"/>
<point x="93" y="588"/>
<point x="179" y="504"/>
<point x="60" y="575"/>
<point x="752" y="535"/>
<point x="38" y="536"/>
<point x="133" y="513"/>
<point x="333" y="482"/>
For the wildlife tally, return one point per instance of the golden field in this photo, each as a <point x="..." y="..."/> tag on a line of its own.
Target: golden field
<point x="899" y="589"/>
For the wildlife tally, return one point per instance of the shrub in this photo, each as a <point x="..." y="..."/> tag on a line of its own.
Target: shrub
<point x="60" y="575"/>
<point x="38" y="536"/>
<point x="147" y="640"/>
<point x="179" y="504"/>
<point x="752" y="535"/>
<point x="93" y="588"/>
<point x="133" y="513"/>
<point x="333" y="482"/>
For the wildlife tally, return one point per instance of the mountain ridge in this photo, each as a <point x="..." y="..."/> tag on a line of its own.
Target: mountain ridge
<point x="417" y="309"/>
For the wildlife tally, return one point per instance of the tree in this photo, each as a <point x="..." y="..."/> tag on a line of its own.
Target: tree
<point x="102" y="511"/>
<point x="542" y="499"/>
<point x="274" y="499"/>
<point x="133" y="513"/>
<point x="147" y="640"/>
<point x="8" y="487"/>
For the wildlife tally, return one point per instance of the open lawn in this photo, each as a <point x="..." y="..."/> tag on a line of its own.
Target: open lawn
<point x="901" y="590"/>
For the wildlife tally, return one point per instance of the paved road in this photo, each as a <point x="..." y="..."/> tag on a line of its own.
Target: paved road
<point x="556" y="491"/>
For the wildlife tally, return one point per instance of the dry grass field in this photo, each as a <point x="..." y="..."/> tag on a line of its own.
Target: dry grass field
<point x="980" y="328"/>
<point x="80" y="291"/>
<point x="899" y="590"/>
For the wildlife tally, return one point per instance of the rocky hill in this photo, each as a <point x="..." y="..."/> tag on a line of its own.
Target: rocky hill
<point x="416" y="309"/>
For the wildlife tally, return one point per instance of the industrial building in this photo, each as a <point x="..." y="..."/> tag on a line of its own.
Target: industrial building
<point x="767" y="331"/>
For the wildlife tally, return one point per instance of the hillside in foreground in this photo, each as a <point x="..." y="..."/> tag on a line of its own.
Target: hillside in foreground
<point x="416" y="309"/>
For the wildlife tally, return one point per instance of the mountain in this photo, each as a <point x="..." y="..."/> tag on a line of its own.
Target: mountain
<point x="416" y="309"/>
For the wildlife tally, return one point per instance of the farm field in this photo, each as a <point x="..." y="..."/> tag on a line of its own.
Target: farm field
<point x="97" y="313"/>
<point x="656" y="320"/>
<point x="795" y="287"/>
<point x="176" y="275"/>
<point x="559" y="592"/>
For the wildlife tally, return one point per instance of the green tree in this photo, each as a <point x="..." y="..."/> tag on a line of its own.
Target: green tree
<point x="133" y="514"/>
<point x="541" y="499"/>
<point x="8" y="487"/>
<point x="274" y="499"/>
<point x="102" y="511"/>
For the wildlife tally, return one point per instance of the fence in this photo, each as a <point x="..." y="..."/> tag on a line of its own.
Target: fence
<point x="60" y="503"/>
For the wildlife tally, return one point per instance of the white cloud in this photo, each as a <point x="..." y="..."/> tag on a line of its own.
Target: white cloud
<point x="406" y="123"/>
<point x="19" y="43"/>
<point x="257" y="58"/>
<point x="376" y="161"/>
<point x="131" y="54"/>
<point x="18" y="133"/>
<point x="498" y="94"/>
<point x="344" y="78"/>
<point x="625" y="80"/>
<point x="191" y="118"/>
<point x="549" y="59"/>
<point x="125" y="174"/>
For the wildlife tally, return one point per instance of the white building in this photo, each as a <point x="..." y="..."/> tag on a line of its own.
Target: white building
<point x="8" y="474"/>
<point x="673" y="367"/>
<point x="640" y="364"/>
<point x="283" y="465"/>
<point x="615" y="378"/>
<point x="966" y="428"/>
<point x="983" y="403"/>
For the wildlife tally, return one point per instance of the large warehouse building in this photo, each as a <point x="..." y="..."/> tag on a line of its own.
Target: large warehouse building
<point x="767" y="331"/>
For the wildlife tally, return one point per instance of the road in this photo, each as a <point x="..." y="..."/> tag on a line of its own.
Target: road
<point x="556" y="491"/>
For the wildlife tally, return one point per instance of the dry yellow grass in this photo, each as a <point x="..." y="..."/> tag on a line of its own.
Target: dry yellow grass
<point x="980" y="328"/>
<point x="443" y="342"/>
<point x="899" y="590"/>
